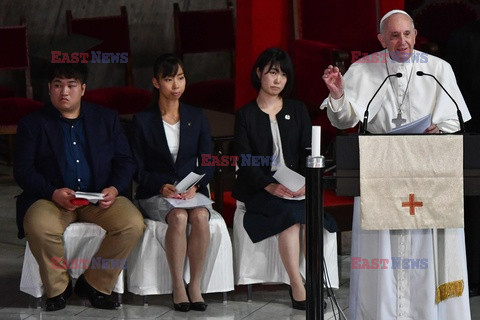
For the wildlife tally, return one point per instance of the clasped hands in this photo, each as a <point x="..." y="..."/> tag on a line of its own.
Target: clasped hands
<point x="279" y="190"/>
<point x="63" y="197"/>
<point x="170" y="191"/>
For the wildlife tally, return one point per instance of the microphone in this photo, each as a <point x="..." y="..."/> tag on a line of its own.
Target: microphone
<point x="459" y="114"/>
<point x="365" y="116"/>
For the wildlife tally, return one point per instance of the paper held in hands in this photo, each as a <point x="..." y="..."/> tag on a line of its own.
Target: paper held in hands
<point x="189" y="181"/>
<point x="416" y="127"/>
<point x="90" y="196"/>
<point x="198" y="201"/>
<point x="291" y="180"/>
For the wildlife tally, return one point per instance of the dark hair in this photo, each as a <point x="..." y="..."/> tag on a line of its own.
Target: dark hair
<point x="167" y="65"/>
<point x="274" y="57"/>
<point x="78" y="71"/>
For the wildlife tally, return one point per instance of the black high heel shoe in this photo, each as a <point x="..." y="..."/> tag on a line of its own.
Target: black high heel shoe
<point x="197" y="306"/>
<point x="182" y="306"/>
<point x="299" y="305"/>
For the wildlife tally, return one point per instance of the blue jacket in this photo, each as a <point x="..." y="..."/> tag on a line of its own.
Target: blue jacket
<point x="39" y="153"/>
<point x="155" y="165"/>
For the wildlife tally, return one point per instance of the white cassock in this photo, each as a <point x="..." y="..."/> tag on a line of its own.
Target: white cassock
<point x="396" y="293"/>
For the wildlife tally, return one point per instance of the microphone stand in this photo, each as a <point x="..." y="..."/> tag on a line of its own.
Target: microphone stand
<point x="459" y="114"/>
<point x="365" y="116"/>
<point x="314" y="237"/>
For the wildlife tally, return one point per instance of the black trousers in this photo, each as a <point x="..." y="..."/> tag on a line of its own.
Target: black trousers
<point x="472" y="238"/>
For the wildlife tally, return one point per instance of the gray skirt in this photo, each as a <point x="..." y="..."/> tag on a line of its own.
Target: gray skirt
<point x="157" y="208"/>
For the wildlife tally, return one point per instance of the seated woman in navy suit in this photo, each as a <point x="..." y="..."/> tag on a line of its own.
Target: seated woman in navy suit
<point x="169" y="140"/>
<point x="278" y="130"/>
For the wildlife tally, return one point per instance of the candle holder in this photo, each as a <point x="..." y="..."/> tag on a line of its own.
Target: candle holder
<point x="314" y="237"/>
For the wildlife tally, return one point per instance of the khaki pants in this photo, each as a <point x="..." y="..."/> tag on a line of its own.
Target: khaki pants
<point x="45" y="224"/>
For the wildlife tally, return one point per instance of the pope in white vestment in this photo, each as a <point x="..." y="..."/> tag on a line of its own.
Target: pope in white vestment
<point x="396" y="292"/>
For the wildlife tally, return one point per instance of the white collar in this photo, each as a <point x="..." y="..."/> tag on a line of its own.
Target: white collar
<point x="395" y="66"/>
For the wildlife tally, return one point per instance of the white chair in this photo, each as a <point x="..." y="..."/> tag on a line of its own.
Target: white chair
<point x="81" y="240"/>
<point x="148" y="271"/>
<point x="261" y="262"/>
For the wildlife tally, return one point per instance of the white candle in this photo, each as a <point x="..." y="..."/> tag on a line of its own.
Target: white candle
<point x="316" y="140"/>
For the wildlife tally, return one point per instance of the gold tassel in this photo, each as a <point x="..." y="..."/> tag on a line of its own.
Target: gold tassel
<point x="448" y="290"/>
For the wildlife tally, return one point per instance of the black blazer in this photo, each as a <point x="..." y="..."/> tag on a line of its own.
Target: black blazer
<point x="40" y="154"/>
<point x="253" y="136"/>
<point x="155" y="165"/>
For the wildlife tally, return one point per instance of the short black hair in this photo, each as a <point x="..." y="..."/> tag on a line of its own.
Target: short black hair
<point x="166" y="65"/>
<point x="274" y="57"/>
<point x="78" y="71"/>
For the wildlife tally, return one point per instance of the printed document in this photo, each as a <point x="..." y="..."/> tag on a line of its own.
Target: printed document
<point x="290" y="179"/>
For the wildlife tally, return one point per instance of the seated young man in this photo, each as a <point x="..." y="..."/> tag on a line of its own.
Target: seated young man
<point x="67" y="146"/>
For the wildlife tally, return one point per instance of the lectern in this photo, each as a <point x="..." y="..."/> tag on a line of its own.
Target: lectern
<point x="348" y="184"/>
<point x="348" y="165"/>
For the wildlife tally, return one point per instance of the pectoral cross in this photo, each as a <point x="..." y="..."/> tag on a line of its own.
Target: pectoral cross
<point x="398" y="120"/>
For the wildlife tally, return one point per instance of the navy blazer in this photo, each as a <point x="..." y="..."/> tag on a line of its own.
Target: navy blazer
<point x="155" y="166"/>
<point x="40" y="154"/>
<point x="253" y="136"/>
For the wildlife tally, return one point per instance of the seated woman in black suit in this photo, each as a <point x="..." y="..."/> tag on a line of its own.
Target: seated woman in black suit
<point x="278" y="130"/>
<point x="169" y="139"/>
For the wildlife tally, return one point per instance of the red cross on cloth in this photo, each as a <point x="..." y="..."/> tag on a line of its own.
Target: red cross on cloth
<point x="412" y="204"/>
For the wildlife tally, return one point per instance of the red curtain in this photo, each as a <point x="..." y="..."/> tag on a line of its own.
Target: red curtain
<point x="387" y="5"/>
<point x="260" y="25"/>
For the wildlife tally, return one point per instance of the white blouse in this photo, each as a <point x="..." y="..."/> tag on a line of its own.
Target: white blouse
<point x="172" y="132"/>
<point x="277" y="157"/>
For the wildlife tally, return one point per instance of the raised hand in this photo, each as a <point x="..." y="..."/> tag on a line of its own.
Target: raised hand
<point x="334" y="81"/>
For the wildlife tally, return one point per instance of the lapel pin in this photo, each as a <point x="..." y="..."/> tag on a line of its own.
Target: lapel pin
<point x="189" y="124"/>
<point x="287" y="116"/>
